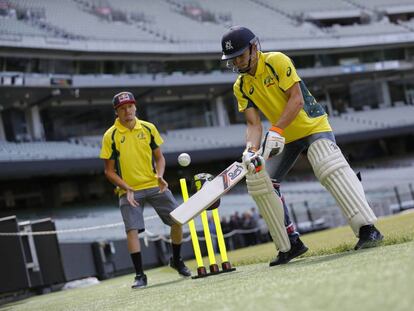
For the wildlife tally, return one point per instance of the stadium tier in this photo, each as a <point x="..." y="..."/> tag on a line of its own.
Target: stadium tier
<point x="300" y="8"/>
<point x="44" y="151"/>
<point x="206" y="138"/>
<point x="384" y="4"/>
<point x="61" y="62"/>
<point x="181" y="26"/>
<point x="67" y="67"/>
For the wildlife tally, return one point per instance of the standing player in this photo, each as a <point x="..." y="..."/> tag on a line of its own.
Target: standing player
<point x="268" y="82"/>
<point x="129" y="149"/>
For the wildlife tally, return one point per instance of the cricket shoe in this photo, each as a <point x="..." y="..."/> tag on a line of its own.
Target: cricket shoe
<point x="296" y="249"/>
<point x="369" y="236"/>
<point x="180" y="266"/>
<point x="140" y="281"/>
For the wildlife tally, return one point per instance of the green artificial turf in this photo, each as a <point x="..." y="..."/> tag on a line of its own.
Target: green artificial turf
<point x="330" y="277"/>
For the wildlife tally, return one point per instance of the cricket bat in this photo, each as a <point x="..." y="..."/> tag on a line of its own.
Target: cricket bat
<point x="210" y="192"/>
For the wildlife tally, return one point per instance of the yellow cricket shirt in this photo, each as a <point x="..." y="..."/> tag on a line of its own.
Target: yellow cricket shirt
<point x="132" y="152"/>
<point x="266" y="91"/>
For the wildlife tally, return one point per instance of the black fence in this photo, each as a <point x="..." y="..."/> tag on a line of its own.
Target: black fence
<point x="33" y="261"/>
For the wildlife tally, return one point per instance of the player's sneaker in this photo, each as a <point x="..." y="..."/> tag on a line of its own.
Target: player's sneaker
<point x="139" y="281"/>
<point x="180" y="266"/>
<point x="369" y="236"/>
<point x="296" y="249"/>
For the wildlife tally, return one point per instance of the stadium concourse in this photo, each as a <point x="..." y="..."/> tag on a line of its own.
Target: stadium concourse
<point x="61" y="62"/>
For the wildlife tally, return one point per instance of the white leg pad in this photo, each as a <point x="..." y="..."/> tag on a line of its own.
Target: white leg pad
<point x="270" y="207"/>
<point x="335" y="174"/>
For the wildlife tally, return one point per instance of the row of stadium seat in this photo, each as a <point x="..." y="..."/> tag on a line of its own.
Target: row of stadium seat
<point x="12" y="26"/>
<point x="382" y="27"/>
<point x="162" y="23"/>
<point x="385" y="117"/>
<point x="382" y="4"/>
<point x="203" y="138"/>
<point x="10" y="152"/>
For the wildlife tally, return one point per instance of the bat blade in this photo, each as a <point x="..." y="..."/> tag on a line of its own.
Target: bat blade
<point x="210" y="192"/>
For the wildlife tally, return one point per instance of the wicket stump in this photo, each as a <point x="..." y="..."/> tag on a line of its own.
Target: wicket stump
<point x="213" y="267"/>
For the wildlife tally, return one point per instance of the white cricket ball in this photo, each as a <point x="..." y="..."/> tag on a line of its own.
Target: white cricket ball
<point x="184" y="159"/>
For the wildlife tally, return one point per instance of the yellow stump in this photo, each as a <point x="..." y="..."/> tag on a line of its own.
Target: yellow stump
<point x="209" y="243"/>
<point x="220" y="237"/>
<point x="193" y="232"/>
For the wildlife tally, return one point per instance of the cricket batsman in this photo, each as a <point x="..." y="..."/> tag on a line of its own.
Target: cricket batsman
<point x="269" y="83"/>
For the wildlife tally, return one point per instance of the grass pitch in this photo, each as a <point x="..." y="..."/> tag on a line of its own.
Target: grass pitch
<point x="330" y="277"/>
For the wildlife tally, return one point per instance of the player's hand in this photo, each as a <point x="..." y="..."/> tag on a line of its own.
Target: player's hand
<point x="131" y="198"/>
<point x="251" y="158"/>
<point x="248" y="154"/>
<point x="273" y="143"/>
<point x="162" y="183"/>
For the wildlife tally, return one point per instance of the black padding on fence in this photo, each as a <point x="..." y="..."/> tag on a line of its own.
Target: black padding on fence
<point x="13" y="272"/>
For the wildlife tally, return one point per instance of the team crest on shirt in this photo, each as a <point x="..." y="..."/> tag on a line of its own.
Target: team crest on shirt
<point x="141" y="136"/>
<point x="268" y="81"/>
<point x="122" y="139"/>
<point x="251" y="90"/>
<point x="228" y="45"/>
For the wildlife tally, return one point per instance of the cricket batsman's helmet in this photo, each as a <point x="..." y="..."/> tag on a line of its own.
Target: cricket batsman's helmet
<point x="122" y="99"/>
<point x="198" y="181"/>
<point x="235" y="41"/>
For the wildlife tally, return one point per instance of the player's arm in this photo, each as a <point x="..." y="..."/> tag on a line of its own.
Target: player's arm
<point x="254" y="128"/>
<point x="115" y="179"/>
<point x="274" y="142"/>
<point x="160" y="168"/>
<point x="293" y="106"/>
<point x="253" y="136"/>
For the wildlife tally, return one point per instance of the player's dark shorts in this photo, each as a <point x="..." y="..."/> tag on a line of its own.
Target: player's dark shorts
<point x="285" y="161"/>
<point x="163" y="203"/>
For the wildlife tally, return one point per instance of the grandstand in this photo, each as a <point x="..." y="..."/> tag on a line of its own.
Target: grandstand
<point x="182" y="26"/>
<point x="298" y="9"/>
<point x="11" y="26"/>
<point x="44" y="151"/>
<point x="62" y="61"/>
<point x="378" y="5"/>
<point x="205" y="138"/>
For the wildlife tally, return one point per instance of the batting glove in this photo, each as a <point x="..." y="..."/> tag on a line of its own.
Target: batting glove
<point x="252" y="159"/>
<point x="273" y="143"/>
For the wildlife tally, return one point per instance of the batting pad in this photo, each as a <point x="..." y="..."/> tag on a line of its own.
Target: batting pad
<point x="335" y="174"/>
<point x="270" y="207"/>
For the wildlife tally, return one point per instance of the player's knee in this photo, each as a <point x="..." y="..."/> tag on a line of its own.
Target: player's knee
<point x="325" y="158"/>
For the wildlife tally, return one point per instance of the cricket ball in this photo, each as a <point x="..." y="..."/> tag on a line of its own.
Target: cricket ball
<point x="184" y="159"/>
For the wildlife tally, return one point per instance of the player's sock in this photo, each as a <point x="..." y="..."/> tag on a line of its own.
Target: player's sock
<point x="137" y="261"/>
<point x="292" y="233"/>
<point x="176" y="248"/>
<point x="290" y="227"/>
